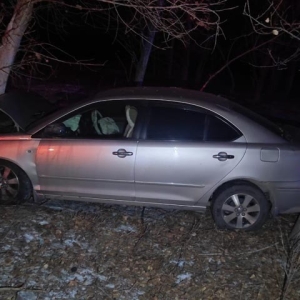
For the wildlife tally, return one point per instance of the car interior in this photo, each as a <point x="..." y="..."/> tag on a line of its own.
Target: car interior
<point x="102" y="123"/>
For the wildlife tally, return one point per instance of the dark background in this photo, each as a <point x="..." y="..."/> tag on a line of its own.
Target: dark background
<point x="78" y="43"/>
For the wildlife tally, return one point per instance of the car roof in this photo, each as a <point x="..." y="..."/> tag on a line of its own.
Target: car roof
<point x="146" y="93"/>
<point x="165" y="94"/>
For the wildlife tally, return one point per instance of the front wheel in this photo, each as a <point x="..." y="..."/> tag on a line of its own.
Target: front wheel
<point x="15" y="186"/>
<point x="242" y="207"/>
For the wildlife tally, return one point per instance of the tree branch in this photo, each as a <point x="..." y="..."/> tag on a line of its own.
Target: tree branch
<point x="256" y="47"/>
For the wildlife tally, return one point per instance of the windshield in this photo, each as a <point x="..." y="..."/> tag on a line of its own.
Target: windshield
<point x="38" y="117"/>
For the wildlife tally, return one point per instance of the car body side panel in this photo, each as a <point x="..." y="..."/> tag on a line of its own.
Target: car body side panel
<point x="86" y="168"/>
<point x="281" y="178"/>
<point x="286" y="168"/>
<point x="181" y="172"/>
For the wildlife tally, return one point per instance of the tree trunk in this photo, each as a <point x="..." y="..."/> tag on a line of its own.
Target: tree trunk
<point x="171" y="61"/>
<point x="12" y="38"/>
<point x="144" y="57"/>
<point x="286" y="93"/>
<point x="201" y="64"/>
<point x="186" y="64"/>
<point x="260" y="84"/>
<point x="145" y="53"/>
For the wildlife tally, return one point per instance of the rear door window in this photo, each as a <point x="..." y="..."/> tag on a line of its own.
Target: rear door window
<point x="169" y="123"/>
<point x="188" y="124"/>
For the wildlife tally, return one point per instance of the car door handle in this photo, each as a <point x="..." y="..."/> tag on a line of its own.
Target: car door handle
<point x="122" y="153"/>
<point x="222" y="156"/>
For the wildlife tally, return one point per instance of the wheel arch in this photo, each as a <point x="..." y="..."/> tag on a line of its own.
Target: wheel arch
<point x="13" y="162"/>
<point x="254" y="183"/>
<point x="231" y="214"/>
<point x="17" y="165"/>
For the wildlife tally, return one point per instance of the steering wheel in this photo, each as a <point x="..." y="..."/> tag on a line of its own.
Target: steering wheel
<point x="96" y="116"/>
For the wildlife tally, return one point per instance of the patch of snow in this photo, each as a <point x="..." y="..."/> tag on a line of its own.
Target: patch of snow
<point x="70" y="242"/>
<point x="140" y="292"/>
<point x="135" y="294"/>
<point x="26" y="295"/>
<point x="182" y="277"/>
<point x="110" y="286"/>
<point x="5" y="278"/>
<point x="126" y="228"/>
<point x="102" y="277"/>
<point x="41" y="240"/>
<point x="84" y="276"/>
<point x="85" y="246"/>
<point x="43" y="222"/>
<point x="28" y="237"/>
<point x="31" y="283"/>
<point x="5" y="248"/>
<point x="73" y="293"/>
<point x="70" y="294"/>
<point x="79" y="277"/>
<point x="181" y="262"/>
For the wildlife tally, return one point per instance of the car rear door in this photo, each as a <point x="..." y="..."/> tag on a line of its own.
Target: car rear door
<point x="184" y="153"/>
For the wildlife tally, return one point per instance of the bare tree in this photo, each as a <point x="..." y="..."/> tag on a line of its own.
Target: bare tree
<point x="274" y="31"/>
<point x="275" y="19"/>
<point x="132" y="15"/>
<point x="12" y="37"/>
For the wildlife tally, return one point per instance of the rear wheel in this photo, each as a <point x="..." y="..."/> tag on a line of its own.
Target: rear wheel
<point x="15" y="186"/>
<point x="242" y="207"/>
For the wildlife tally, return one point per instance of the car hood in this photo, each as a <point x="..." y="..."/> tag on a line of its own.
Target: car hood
<point x="23" y="108"/>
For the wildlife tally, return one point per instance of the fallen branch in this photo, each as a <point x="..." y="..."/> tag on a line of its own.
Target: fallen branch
<point x="237" y="254"/>
<point x="20" y="288"/>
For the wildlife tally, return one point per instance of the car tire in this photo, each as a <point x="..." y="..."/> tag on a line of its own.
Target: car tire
<point x="240" y="207"/>
<point x="15" y="186"/>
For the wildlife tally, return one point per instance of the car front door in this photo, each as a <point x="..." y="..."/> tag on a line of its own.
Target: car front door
<point x="90" y="153"/>
<point x="184" y="153"/>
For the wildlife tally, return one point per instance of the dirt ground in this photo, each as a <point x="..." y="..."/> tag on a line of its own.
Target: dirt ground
<point x="72" y="250"/>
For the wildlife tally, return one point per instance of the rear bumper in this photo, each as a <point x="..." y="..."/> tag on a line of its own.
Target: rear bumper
<point x="286" y="197"/>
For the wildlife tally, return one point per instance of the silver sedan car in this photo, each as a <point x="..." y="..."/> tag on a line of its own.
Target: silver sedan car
<point x="163" y="147"/>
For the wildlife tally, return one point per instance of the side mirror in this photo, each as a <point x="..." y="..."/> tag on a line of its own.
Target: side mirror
<point x="55" y="130"/>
